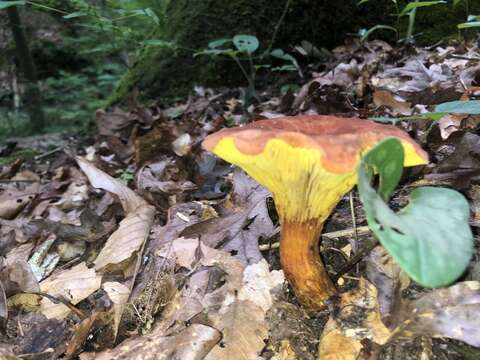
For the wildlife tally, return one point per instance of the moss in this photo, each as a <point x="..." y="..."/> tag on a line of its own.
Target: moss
<point x="192" y="24"/>
<point x="26" y="154"/>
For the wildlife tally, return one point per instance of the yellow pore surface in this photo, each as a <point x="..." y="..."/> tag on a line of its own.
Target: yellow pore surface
<point x="301" y="187"/>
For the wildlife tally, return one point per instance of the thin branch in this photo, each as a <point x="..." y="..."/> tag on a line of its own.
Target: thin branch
<point x="361" y="230"/>
<point x="277" y="26"/>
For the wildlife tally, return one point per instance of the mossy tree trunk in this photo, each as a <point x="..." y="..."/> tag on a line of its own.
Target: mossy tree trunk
<point x="192" y="24"/>
<point x="32" y="96"/>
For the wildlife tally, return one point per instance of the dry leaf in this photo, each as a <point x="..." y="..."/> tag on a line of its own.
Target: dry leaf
<point x="358" y="318"/>
<point x="451" y="312"/>
<point x="389" y="279"/>
<point x="118" y="294"/>
<point x="182" y="145"/>
<point x="193" y="343"/>
<point x="258" y="283"/>
<point x="73" y="285"/>
<point x="133" y="230"/>
<point x="394" y="102"/>
<point x="13" y="200"/>
<point x="244" y="330"/>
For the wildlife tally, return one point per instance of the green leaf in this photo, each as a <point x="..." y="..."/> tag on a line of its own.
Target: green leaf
<point x="280" y="54"/>
<point x="7" y="4"/>
<point x="75" y="14"/>
<point x="471" y="107"/>
<point x="362" y="2"/>
<point x="246" y="43"/>
<point x="217" y="43"/>
<point x="430" y="238"/>
<point x="414" y="5"/>
<point x="469" y="24"/>
<point x="364" y="34"/>
<point x="159" y="43"/>
<point x="216" y="52"/>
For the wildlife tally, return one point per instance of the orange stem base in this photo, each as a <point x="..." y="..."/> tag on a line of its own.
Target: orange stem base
<point x="302" y="264"/>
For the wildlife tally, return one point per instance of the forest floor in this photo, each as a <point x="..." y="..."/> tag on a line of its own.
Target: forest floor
<point x="135" y="243"/>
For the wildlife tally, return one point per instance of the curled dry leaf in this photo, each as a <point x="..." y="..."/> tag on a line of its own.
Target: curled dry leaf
<point x="192" y="343"/>
<point x="99" y="179"/>
<point x="73" y="285"/>
<point x="133" y="230"/>
<point x="182" y="145"/>
<point x="126" y="241"/>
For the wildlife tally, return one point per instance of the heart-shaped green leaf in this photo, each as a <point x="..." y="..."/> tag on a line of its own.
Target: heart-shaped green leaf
<point x="430" y="238"/>
<point x="246" y="43"/>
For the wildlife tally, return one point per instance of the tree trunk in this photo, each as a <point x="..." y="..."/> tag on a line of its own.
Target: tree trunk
<point x="191" y="24"/>
<point x="32" y="96"/>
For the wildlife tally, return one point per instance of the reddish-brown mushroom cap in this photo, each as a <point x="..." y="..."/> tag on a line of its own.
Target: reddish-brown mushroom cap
<point x="308" y="163"/>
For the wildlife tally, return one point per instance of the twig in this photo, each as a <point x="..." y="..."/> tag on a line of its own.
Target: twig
<point x="8" y="181"/>
<point x="277" y="26"/>
<point x="57" y="300"/>
<point x="371" y="243"/>
<point x="463" y="57"/>
<point x="48" y="153"/>
<point x="354" y="222"/>
<point x="361" y="230"/>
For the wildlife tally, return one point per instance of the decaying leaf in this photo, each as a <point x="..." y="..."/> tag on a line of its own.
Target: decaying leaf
<point x="389" y="279"/>
<point x="450" y="312"/>
<point x="358" y="318"/>
<point x="244" y="331"/>
<point x="118" y="294"/>
<point x="193" y="343"/>
<point x="133" y="230"/>
<point x="245" y="223"/>
<point x="14" y="199"/>
<point x="258" y="283"/>
<point x="73" y="285"/>
<point x="395" y="102"/>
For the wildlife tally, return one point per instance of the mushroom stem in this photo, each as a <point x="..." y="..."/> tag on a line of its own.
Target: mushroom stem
<point x="302" y="264"/>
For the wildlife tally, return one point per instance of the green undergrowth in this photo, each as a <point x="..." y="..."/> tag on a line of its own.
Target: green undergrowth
<point x="70" y="100"/>
<point x="26" y="154"/>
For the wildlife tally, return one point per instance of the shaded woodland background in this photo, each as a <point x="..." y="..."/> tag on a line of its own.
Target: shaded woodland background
<point x="92" y="54"/>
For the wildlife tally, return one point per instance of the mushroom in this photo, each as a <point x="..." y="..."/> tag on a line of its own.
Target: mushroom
<point x="308" y="163"/>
